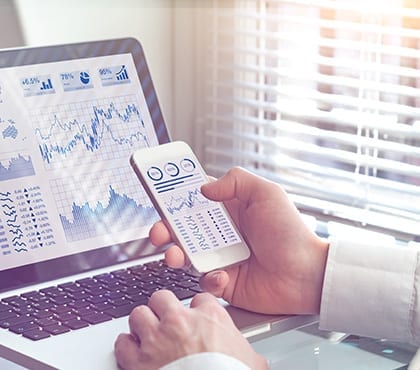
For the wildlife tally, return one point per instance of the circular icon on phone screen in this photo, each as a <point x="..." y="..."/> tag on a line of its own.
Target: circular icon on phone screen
<point x="171" y="169"/>
<point x="155" y="173"/>
<point x="187" y="165"/>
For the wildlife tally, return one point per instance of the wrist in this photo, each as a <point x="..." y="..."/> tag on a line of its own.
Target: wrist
<point x="261" y="363"/>
<point x="316" y="272"/>
<point x="322" y="248"/>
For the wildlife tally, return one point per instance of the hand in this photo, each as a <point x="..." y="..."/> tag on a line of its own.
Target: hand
<point x="166" y="330"/>
<point x="285" y="271"/>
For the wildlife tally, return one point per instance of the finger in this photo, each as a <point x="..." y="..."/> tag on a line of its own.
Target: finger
<point x="237" y="183"/>
<point x="142" y="321"/>
<point x="126" y="350"/>
<point x="159" y="234"/>
<point x="201" y="299"/>
<point x="174" y="257"/>
<point x="164" y="301"/>
<point x="215" y="282"/>
<point x="208" y="303"/>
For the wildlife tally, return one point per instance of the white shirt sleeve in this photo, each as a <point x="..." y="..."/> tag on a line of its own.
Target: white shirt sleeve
<point x="372" y="290"/>
<point x="206" y="361"/>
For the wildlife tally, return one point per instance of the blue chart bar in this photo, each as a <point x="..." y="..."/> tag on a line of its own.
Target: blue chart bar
<point x="119" y="214"/>
<point x="17" y="167"/>
<point x="122" y="74"/>
<point x="114" y="75"/>
<point x="46" y="85"/>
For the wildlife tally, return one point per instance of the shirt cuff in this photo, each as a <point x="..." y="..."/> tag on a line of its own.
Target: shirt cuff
<point x="368" y="290"/>
<point x="206" y="361"/>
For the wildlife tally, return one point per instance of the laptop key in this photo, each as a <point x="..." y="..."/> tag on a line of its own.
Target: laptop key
<point x="183" y="293"/>
<point x="67" y="316"/>
<point x="7" y="314"/>
<point x="120" y="301"/>
<point x="186" y="284"/>
<point x="101" y="307"/>
<point x="76" y="324"/>
<point x="41" y="314"/>
<point x="98" y="299"/>
<point x="97" y="318"/>
<point x="61" y="309"/>
<point x="47" y="322"/>
<point x="56" y="329"/>
<point x="43" y="305"/>
<point x="121" y="311"/>
<point x="24" y="327"/>
<point x="36" y="334"/>
<point x="11" y="321"/>
<point x="61" y="299"/>
<point x="18" y="302"/>
<point x="78" y="304"/>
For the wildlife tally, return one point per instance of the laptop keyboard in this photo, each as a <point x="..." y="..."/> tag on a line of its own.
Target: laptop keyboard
<point x="71" y="306"/>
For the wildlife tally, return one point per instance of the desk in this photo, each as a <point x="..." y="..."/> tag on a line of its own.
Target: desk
<point x="7" y="365"/>
<point x="309" y="348"/>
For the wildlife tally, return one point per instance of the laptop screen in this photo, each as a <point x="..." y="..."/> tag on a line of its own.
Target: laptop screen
<point x="70" y="117"/>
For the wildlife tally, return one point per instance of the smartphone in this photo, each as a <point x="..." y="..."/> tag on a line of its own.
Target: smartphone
<point x="172" y="177"/>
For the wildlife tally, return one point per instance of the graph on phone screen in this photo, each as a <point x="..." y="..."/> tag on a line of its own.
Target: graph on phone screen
<point x="202" y="224"/>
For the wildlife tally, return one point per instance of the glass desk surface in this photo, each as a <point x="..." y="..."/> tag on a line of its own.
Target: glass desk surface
<point x="309" y="348"/>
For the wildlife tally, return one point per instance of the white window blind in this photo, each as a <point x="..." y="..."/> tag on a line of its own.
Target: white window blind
<point x="324" y="98"/>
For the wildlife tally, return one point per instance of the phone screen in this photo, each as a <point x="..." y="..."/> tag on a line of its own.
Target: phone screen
<point x="202" y="224"/>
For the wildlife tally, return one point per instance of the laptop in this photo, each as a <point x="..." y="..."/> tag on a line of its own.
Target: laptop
<point x="75" y="257"/>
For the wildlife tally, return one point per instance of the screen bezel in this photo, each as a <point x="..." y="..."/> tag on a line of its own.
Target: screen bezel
<point x="110" y="255"/>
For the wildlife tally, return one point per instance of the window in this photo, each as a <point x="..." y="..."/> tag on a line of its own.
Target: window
<point x="322" y="97"/>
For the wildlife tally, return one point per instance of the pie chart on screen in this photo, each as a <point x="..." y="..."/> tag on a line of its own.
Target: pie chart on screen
<point x="84" y="77"/>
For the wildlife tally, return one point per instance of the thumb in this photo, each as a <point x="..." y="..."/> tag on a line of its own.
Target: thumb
<point x="215" y="282"/>
<point x="237" y="183"/>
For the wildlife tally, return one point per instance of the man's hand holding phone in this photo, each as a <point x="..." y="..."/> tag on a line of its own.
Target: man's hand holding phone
<point x="285" y="271"/>
<point x="172" y="177"/>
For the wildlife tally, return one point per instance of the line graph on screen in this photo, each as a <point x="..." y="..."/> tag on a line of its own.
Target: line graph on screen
<point x="182" y="201"/>
<point x="95" y="130"/>
<point x="16" y="165"/>
<point x="109" y="201"/>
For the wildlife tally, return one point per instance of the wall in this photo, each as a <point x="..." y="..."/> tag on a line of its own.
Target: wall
<point x="61" y="21"/>
<point x="10" y="32"/>
<point x="189" y="50"/>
